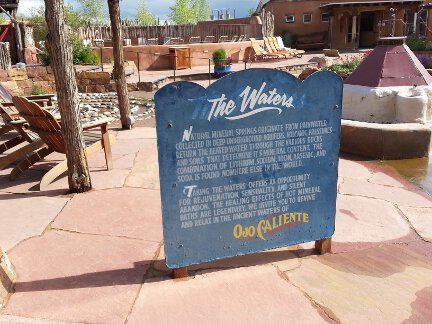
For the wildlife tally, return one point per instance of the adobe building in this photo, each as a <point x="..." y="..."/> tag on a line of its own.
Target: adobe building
<point x="343" y="24"/>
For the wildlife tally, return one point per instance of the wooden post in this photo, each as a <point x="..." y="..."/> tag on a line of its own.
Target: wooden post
<point x="323" y="246"/>
<point x="354" y="31"/>
<point x="180" y="273"/>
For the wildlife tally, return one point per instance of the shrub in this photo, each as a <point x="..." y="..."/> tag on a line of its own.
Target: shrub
<point x="37" y="90"/>
<point x="219" y="57"/>
<point x="45" y="58"/>
<point x="81" y="54"/>
<point x="287" y="38"/>
<point x="347" y="66"/>
<point x="416" y="43"/>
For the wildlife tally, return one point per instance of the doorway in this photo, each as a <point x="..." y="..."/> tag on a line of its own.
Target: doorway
<point x="367" y="38"/>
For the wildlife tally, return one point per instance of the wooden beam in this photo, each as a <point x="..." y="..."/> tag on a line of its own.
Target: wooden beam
<point x="323" y="246"/>
<point x="180" y="273"/>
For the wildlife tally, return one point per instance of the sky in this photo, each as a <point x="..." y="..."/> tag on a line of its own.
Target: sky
<point x="159" y="8"/>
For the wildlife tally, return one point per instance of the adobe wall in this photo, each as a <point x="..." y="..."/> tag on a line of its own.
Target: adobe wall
<point x="340" y="19"/>
<point x="155" y="57"/>
<point x="281" y="9"/>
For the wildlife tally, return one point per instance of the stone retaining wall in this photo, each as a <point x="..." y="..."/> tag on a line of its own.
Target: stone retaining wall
<point x="23" y="81"/>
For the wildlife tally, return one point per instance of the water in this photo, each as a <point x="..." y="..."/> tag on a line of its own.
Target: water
<point x="418" y="171"/>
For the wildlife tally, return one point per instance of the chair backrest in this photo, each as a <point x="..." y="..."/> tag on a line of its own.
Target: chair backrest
<point x="256" y="47"/>
<point x="153" y="41"/>
<point x="42" y="122"/>
<point x="278" y="41"/>
<point x="209" y="39"/>
<point x="273" y="44"/>
<point x="267" y="45"/>
<point x="142" y="41"/>
<point x="235" y="38"/>
<point x="223" y="39"/>
<point x="8" y="112"/>
<point x="195" y="39"/>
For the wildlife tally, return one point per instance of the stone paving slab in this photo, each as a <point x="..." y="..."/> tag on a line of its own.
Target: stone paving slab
<point x="396" y="195"/>
<point x="145" y="172"/>
<point x="6" y="319"/>
<point x="78" y="278"/>
<point x="388" y="284"/>
<point x="365" y="222"/>
<point x="245" y="295"/>
<point x="421" y="220"/>
<point x="126" y="212"/>
<point x="23" y="216"/>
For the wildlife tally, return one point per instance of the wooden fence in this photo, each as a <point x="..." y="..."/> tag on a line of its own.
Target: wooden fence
<point x="182" y="31"/>
<point x="160" y="32"/>
<point x="5" y="57"/>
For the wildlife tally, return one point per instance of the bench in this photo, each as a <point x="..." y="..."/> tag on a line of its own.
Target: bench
<point x="315" y="40"/>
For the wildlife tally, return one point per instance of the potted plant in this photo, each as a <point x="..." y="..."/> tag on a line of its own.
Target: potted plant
<point x="222" y="64"/>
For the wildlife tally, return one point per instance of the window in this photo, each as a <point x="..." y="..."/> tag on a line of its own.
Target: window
<point x="289" y="19"/>
<point x="307" y="18"/>
<point x="325" y="17"/>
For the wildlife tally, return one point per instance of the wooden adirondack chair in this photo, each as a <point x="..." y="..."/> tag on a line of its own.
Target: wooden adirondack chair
<point x="48" y="128"/>
<point x="14" y="122"/>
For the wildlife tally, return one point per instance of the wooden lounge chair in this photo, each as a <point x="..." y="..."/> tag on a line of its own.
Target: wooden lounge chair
<point x="195" y="39"/>
<point x="260" y="53"/>
<point x="209" y="39"/>
<point x="14" y="122"/>
<point x="223" y="39"/>
<point x="48" y="128"/>
<point x="269" y="47"/>
<point x="153" y="41"/>
<point x="295" y="52"/>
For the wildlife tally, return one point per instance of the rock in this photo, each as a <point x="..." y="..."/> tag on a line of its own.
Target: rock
<point x="321" y="60"/>
<point x="306" y="72"/>
<point x="331" y="52"/>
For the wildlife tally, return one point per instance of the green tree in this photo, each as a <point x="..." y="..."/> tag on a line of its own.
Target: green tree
<point x="190" y="11"/>
<point x="4" y="19"/>
<point x="251" y="12"/>
<point x="144" y="16"/>
<point x="37" y="19"/>
<point x="93" y="11"/>
<point x="202" y="10"/>
<point x="182" y="13"/>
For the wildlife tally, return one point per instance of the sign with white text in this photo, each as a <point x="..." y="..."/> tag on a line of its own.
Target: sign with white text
<point x="248" y="164"/>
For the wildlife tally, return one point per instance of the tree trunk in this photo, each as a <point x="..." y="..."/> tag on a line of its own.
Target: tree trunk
<point x="119" y="70"/>
<point x="61" y="62"/>
<point x="18" y="39"/>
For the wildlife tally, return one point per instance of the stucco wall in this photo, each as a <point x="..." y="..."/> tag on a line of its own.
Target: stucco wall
<point x="154" y="57"/>
<point x="387" y="104"/>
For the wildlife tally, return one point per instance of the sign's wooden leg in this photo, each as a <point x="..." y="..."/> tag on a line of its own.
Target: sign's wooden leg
<point x="180" y="273"/>
<point x="323" y="246"/>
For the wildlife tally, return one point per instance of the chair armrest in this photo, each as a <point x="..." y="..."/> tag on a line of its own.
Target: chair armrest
<point x="97" y="123"/>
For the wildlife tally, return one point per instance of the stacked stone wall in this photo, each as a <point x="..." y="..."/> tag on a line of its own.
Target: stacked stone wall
<point x="24" y="81"/>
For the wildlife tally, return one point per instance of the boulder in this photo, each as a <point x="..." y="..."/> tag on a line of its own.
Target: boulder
<point x="306" y="72"/>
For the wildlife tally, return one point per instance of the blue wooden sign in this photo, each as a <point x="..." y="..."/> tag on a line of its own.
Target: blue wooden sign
<point x="248" y="164"/>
